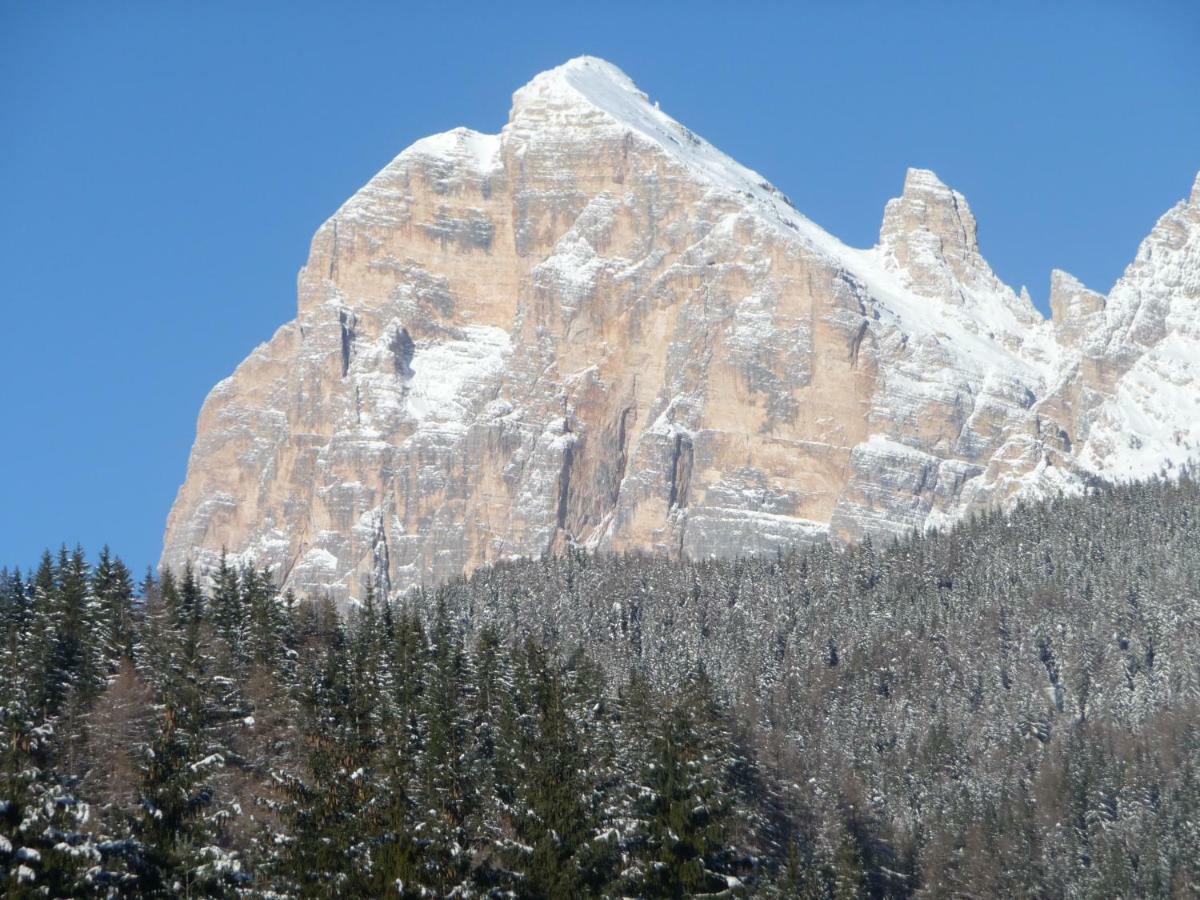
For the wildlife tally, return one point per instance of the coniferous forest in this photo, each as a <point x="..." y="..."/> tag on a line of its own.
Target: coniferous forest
<point x="1008" y="709"/>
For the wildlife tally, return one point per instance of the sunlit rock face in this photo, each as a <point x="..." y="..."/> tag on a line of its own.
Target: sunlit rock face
<point x="594" y="329"/>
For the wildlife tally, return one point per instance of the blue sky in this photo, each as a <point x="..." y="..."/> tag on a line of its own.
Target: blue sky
<point x="164" y="165"/>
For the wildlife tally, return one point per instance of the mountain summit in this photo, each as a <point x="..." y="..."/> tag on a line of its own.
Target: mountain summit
<point x="595" y="329"/>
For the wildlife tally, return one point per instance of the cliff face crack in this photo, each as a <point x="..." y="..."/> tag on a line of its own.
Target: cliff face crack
<point x="346" y="322"/>
<point x="564" y="486"/>
<point x="856" y="343"/>
<point x="381" y="559"/>
<point x="403" y="349"/>
<point x="622" y="454"/>
<point x="963" y="237"/>
<point x="922" y="481"/>
<point x="681" y="472"/>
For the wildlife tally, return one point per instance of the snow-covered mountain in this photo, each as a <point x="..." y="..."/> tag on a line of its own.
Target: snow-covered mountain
<point x="596" y="329"/>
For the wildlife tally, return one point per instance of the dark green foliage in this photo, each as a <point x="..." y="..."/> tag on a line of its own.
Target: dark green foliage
<point x="112" y="586"/>
<point x="1008" y="709"/>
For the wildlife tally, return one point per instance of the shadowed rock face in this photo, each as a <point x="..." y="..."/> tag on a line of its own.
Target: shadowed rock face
<point x="595" y="329"/>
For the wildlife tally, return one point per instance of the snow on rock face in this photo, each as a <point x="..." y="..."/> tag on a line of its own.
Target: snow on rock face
<point x="1075" y="310"/>
<point x="1151" y="423"/>
<point x="447" y="374"/>
<point x="461" y="148"/>
<point x="596" y="329"/>
<point x="1144" y="357"/>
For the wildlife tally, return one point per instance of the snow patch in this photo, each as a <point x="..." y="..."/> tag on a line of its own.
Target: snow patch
<point x="444" y="370"/>
<point x="1152" y="423"/>
<point x="481" y="152"/>
<point x="316" y="558"/>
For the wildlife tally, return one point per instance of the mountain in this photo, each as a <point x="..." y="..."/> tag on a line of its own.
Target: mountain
<point x="596" y="329"/>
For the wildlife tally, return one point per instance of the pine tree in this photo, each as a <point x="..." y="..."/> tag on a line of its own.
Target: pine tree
<point x="846" y="868"/>
<point x="112" y="586"/>
<point x="82" y="661"/>
<point x="187" y="753"/>
<point x="40" y="640"/>
<point x="492" y="764"/>
<point x="409" y="665"/>
<point x="43" y="848"/>
<point x="228" y="614"/>
<point x="15" y="615"/>
<point x="558" y="824"/>
<point x="332" y="810"/>
<point x="265" y="618"/>
<point x="444" y="793"/>
<point x="687" y="803"/>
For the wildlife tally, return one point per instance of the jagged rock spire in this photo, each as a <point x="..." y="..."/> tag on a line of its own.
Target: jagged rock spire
<point x="930" y="235"/>
<point x="930" y="240"/>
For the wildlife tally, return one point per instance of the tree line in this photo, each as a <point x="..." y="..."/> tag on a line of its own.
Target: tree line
<point x="1009" y="708"/>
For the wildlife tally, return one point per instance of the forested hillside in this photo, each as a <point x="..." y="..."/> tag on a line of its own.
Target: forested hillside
<point x="1008" y="709"/>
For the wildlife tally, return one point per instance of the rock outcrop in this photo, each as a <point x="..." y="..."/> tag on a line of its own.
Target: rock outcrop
<point x="595" y="329"/>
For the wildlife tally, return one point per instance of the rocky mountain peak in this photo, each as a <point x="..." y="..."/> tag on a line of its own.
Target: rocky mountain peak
<point x="595" y="329"/>
<point x="585" y="81"/>
<point x="929" y="239"/>
<point x="929" y="234"/>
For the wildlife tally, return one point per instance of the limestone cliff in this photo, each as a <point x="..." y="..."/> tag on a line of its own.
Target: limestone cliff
<point x="595" y="329"/>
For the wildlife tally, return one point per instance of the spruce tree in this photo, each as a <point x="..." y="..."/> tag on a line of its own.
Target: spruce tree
<point x="112" y="586"/>
<point x="332" y="803"/>
<point x="228" y="614"/>
<point x="445" y="795"/>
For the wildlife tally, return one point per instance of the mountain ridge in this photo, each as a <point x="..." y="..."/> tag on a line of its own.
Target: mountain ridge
<point x="595" y="328"/>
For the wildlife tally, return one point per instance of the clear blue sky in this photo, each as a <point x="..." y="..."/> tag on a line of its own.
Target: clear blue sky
<point x="164" y="165"/>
